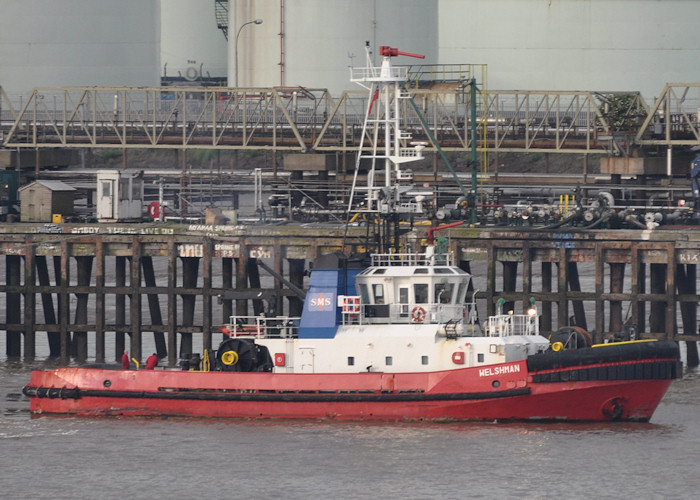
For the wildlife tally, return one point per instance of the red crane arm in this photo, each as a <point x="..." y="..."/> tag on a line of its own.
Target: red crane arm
<point x="433" y="230"/>
<point x="386" y="51"/>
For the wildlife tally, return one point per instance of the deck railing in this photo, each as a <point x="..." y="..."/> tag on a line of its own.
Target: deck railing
<point x="512" y="324"/>
<point x="262" y="327"/>
<point x="412" y="259"/>
<point x="406" y="313"/>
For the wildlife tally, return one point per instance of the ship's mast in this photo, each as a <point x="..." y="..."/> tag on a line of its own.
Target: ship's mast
<point x="389" y="194"/>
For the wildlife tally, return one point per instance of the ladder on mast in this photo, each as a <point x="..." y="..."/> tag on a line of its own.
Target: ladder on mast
<point x="384" y="148"/>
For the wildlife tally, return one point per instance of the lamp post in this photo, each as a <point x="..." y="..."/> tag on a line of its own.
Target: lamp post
<point x="257" y="21"/>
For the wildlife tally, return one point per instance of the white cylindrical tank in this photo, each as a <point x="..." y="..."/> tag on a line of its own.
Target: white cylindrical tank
<point x="312" y="43"/>
<point x="597" y="45"/>
<point x="78" y="43"/>
<point x="192" y="47"/>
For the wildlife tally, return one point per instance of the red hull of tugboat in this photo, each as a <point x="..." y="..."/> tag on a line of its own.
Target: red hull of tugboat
<point x="500" y="392"/>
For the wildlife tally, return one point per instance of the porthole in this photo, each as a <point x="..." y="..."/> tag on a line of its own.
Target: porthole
<point x="495" y="384"/>
<point x="107" y="383"/>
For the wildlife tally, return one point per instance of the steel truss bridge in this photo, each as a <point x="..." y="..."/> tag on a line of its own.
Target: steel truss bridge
<point x="311" y="120"/>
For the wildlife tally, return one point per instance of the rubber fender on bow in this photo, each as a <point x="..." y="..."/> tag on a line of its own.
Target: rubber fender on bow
<point x="607" y="353"/>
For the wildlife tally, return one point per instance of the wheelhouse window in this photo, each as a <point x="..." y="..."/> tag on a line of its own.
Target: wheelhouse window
<point x="420" y="293"/>
<point x="363" y="294"/>
<point x="378" y="293"/>
<point x="443" y="293"/>
<point x="461" y="292"/>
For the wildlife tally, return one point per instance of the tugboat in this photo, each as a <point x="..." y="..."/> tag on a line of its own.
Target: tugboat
<point x="394" y="336"/>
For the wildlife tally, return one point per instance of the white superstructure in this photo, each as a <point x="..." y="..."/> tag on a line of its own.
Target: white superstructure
<point x="411" y="315"/>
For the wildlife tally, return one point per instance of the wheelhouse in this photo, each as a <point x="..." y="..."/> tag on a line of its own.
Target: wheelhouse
<point x="402" y="288"/>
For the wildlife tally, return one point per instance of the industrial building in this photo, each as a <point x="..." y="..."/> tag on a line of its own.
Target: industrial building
<point x="312" y="43"/>
<point x="192" y="50"/>
<point x="597" y="45"/>
<point x="600" y="45"/>
<point x="78" y="43"/>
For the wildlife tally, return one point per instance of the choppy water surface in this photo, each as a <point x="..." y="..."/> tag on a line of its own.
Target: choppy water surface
<point x="58" y="457"/>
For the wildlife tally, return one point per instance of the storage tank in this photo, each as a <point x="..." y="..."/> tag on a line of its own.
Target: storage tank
<point x="78" y="43"/>
<point x="597" y="45"/>
<point x="312" y="43"/>
<point x="193" y="49"/>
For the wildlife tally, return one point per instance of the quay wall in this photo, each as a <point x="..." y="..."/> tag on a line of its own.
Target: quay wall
<point x="74" y="282"/>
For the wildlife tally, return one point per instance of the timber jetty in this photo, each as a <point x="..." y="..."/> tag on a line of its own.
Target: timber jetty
<point x="180" y="282"/>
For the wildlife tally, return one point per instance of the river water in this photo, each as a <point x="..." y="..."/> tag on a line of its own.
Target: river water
<point x="117" y="458"/>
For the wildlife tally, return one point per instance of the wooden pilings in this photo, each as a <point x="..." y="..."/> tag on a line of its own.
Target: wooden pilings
<point x="80" y="341"/>
<point x="13" y="304"/>
<point x="100" y="294"/>
<point x="120" y="306"/>
<point x="190" y="271"/>
<point x="149" y="277"/>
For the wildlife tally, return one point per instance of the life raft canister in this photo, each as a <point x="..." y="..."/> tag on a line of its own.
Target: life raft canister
<point x="418" y="314"/>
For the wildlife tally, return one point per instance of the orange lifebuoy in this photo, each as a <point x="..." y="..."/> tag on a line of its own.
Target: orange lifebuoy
<point x="351" y="305"/>
<point x="154" y="210"/>
<point x="418" y="314"/>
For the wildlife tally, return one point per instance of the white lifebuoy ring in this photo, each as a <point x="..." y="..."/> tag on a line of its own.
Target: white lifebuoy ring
<point x="417" y="314"/>
<point x="191" y="73"/>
